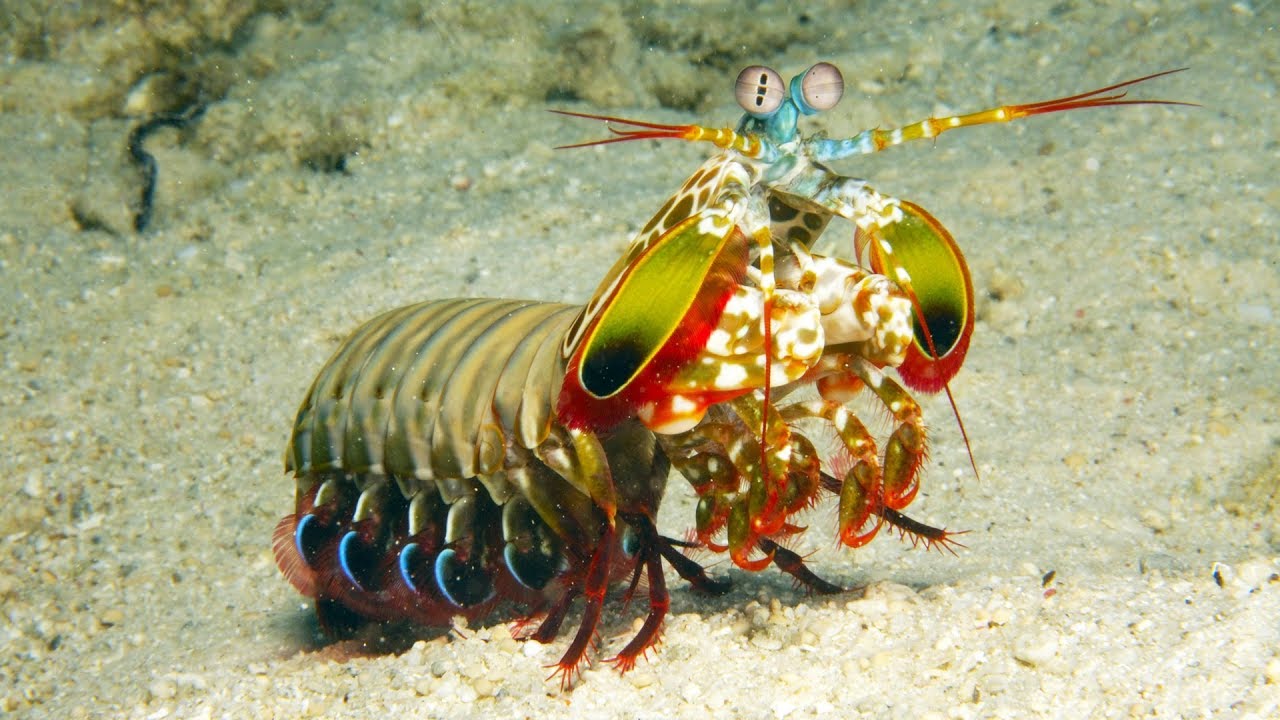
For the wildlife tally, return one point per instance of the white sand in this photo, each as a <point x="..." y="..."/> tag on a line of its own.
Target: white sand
<point x="1120" y="394"/>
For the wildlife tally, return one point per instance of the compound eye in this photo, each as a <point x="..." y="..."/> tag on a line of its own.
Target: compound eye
<point x="821" y="87"/>
<point x="760" y="91"/>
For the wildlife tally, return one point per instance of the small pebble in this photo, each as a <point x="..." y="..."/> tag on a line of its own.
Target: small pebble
<point x="1256" y="313"/>
<point x="690" y="692"/>
<point x="765" y="641"/>
<point x="1154" y="520"/>
<point x="484" y="688"/>
<point x="162" y="689"/>
<point x="467" y="694"/>
<point x="994" y="683"/>
<point x="641" y="679"/>
<point x="34" y="485"/>
<point x="1000" y="616"/>
<point x="1272" y="671"/>
<point x="1035" y="650"/>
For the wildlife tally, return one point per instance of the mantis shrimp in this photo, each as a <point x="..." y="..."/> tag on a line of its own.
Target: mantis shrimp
<point x="454" y="455"/>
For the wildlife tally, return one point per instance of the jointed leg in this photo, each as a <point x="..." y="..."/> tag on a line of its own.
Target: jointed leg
<point x="792" y="564"/>
<point x="597" y="582"/>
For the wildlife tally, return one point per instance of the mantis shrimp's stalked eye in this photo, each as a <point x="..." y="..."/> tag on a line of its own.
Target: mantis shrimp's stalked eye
<point x="760" y="91"/>
<point x="819" y="89"/>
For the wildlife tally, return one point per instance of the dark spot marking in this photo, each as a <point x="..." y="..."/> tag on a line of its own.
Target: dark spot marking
<point x="356" y="560"/>
<point x="798" y="234"/>
<point x="695" y="180"/>
<point x="943" y="326"/>
<point x="780" y="212"/>
<point x="530" y="568"/>
<point x="608" y="369"/>
<point x="649" y="226"/>
<point x="658" y="217"/>
<point x="703" y="196"/>
<point x="681" y="210"/>
<point x="463" y="584"/>
<point x="309" y="537"/>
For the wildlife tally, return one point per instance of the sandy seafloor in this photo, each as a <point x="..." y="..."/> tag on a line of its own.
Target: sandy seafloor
<point x="1120" y="393"/>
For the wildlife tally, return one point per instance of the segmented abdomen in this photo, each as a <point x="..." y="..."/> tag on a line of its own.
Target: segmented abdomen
<point x="418" y="393"/>
<point x="432" y="478"/>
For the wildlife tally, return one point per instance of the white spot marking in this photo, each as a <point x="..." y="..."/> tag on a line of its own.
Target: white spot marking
<point x="730" y="377"/>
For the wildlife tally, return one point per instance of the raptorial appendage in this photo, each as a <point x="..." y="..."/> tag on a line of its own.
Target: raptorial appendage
<point x="752" y="482"/>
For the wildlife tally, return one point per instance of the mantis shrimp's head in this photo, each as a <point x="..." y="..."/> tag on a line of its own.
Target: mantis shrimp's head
<point x="773" y="108"/>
